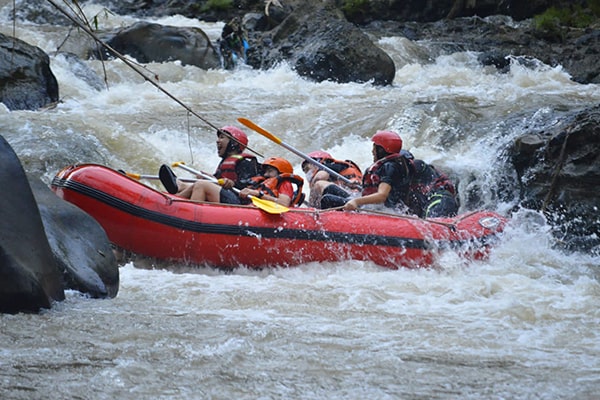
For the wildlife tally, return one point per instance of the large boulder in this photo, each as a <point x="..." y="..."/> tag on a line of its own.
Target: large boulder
<point x="29" y="277"/>
<point x="26" y="81"/>
<point x="320" y="44"/>
<point x="421" y="11"/>
<point x="558" y="168"/>
<point x="150" y="42"/>
<point x="80" y="245"/>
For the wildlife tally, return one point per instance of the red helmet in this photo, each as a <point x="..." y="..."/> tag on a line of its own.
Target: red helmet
<point x="281" y="164"/>
<point x="237" y="134"/>
<point x="317" y="155"/>
<point x="390" y="141"/>
<point x="320" y="154"/>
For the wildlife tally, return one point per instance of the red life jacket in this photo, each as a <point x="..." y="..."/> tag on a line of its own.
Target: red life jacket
<point x="227" y="166"/>
<point x="371" y="179"/>
<point x="427" y="179"/>
<point x="271" y="186"/>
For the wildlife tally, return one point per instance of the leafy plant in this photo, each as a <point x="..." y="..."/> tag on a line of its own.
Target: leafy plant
<point x="575" y="16"/>
<point x="218" y="5"/>
<point x="355" y="9"/>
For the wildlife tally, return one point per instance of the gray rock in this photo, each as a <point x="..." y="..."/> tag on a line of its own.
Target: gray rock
<point x="29" y="277"/>
<point x="559" y="169"/>
<point x="149" y="42"/>
<point x="26" y="81"/>
<point x="320" y="44"/>
<point x="80" y="245"/>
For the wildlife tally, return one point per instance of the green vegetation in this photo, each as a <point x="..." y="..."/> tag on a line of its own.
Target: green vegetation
<point x="218" y="5"/>
<point x="355" y="9"/>
<point x="594" y="6"/>
<point x="552" y="23"/>
<point x="575" y="16"/>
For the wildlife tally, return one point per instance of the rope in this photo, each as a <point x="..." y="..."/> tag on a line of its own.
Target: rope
<point x="137" y="69"/>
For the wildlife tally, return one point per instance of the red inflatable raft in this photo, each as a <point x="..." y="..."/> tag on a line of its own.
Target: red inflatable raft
<point x="141" y="219"/>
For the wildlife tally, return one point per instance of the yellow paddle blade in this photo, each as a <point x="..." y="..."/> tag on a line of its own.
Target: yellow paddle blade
<point x="269" y="206"/>
<point x="256" y="128"/>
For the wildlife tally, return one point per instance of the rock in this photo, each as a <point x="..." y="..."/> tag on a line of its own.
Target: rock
<point x="499" y="39"/>
<point x="320" y="44"/>
<point x="505" y="30"/>
<point x="80" y="245"/>
<point x="559" y="169"/>
<point x="29" y="277"/>
<point x="27" y="83"/>
<point x="149" y="42"/>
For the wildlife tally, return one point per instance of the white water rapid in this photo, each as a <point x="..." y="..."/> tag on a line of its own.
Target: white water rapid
<point x="523" y="324"/>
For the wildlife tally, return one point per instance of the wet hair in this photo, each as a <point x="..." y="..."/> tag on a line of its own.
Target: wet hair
<point x="380" y="152"/>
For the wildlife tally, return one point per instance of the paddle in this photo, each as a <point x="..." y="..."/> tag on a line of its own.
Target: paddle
<point x="152" y="177"/>
<point x="275" y="139"/>
<point x="266" y="205"/>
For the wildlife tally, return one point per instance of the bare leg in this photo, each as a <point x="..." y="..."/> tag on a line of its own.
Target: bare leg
<point x="316" y="191"/>
<point x="185" y="190"/>
<point x="205" y="191"/>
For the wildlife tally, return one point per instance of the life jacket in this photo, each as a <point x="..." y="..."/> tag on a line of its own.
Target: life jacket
<point x="371" y="179"/>
<point x="227" y="168"/>
<point x="428" y="180"/>
<point x="271" y="186"/>
<point x="351" y="171"/>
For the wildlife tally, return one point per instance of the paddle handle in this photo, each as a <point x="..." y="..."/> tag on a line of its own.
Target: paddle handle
<point x="139" y="177"/>
<point x="268" y="206"/>
<point x="270" y="136"/>
<point x="182" y="165"/>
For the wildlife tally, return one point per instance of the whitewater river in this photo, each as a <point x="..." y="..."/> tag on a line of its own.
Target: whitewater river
<point x="523" y="324"/>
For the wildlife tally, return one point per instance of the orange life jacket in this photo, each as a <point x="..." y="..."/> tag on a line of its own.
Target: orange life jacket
<point x="351" y="171"/>
<point x="271" y="186"/>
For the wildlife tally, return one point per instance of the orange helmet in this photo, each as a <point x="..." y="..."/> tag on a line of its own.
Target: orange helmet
<point x="280" y="164"/>
<point x="390" y="141"/>
<point x="237" y="134"/>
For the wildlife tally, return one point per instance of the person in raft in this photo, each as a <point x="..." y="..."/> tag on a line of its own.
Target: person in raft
<point x="236" y="169"/>
<point x="432" y="193"/>
<point x="278" y="183"/>
<point x="385" y="182"/>
<point x="322" y="182"/>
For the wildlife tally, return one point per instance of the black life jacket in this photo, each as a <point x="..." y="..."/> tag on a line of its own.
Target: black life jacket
<point x="427" y="179"/>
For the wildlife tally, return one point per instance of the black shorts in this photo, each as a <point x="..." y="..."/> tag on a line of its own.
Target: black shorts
<point x="334" y="196"/>
<point x="228" y="196"/>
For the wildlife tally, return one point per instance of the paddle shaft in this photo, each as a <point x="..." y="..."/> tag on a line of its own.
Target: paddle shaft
<point x="202" y="174"/>
<point x="155" y="177"/>
<point x="275" y="139"/>
<point x="268" y="206"/>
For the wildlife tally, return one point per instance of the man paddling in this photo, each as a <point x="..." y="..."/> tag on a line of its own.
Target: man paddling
<point x="385" y="182"/>
<point x="236" y="169"/>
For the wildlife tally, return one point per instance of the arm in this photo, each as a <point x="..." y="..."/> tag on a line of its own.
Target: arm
<point x="383" y="190"/>
<point x="283" y="199"/>
<point x="320" y="176"/>
<point x="246" y="170"/>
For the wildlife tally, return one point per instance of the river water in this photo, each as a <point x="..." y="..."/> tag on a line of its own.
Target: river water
<point x="522" y="324"/>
